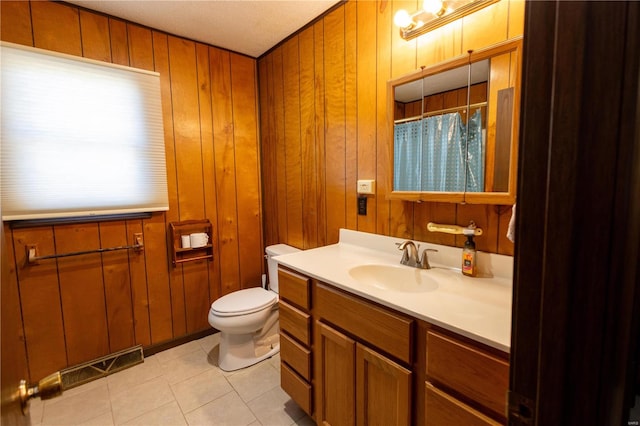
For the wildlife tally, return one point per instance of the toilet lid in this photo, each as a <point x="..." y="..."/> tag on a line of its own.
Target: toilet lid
<point x="243" y="302"/>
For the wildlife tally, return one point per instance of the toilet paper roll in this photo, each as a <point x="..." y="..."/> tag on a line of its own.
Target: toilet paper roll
<point x="199" y="239"/>
<point x="186" y="241"/>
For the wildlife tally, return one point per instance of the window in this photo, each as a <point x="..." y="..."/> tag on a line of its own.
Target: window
<point x="79" y="137"/>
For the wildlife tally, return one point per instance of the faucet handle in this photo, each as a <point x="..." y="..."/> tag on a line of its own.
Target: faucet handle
<point x="424" y="260"/>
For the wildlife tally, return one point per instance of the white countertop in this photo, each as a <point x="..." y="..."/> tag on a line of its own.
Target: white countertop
<point x="475" y="307"/>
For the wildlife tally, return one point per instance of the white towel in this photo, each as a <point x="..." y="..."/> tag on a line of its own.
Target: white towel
<point x="511" y="230"/>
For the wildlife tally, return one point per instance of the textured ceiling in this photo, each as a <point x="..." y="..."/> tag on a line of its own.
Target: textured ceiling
<point x="251" y="27"/>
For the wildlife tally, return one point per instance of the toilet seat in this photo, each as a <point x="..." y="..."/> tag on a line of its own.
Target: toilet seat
<point x="243" y="302"/>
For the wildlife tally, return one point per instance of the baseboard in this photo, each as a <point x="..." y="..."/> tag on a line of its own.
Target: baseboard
<point x="163" y="346"/>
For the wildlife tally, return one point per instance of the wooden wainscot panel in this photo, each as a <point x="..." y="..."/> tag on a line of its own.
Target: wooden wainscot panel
<point x="335" y="123"/>
<point x="295" y="322"/>
<point x="279" y="147"/>
<point x="82" y="293"/>
<point x="309" y="159"/>
<point x="386" y="330"/>
<point x="351" y="116"/>
<point x="117" y="285"/>
<point x="158" y="287"/>
<point x="292" y="143"/>
<point x="294" y="288"/>
<point x="118" y="42"/>
<point x="95" y="36"/>
<point x="249" y="190"/>
<point x="40" y="302"/>
<point x="16" y="22"/>
<point x="469" y="371"/>
<point x="56" y="27"/>
<point x="225" y="170"/>
<point x="139" y="294"/>
<point x="208" y="165"/>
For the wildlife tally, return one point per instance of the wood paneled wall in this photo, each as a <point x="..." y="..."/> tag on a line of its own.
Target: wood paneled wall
<point x="324" y="124"/>
<point x="79" y="308"/>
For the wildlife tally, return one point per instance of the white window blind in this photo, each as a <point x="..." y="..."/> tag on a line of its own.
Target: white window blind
<point x="79" y="137"/>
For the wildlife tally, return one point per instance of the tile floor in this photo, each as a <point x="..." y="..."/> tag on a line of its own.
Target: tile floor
<point x="180" y="386"/>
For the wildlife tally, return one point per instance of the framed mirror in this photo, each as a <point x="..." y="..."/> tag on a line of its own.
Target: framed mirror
<point x="455" y="128"/>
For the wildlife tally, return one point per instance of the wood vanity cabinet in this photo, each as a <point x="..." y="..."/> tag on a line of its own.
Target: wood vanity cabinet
<point x="350" y="361"/>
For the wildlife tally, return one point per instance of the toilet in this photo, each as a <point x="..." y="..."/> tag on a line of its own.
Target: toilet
<point x="248" y="319"/>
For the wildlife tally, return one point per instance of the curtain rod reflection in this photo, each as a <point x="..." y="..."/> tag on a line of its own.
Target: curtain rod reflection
<point x="462" y="108"/>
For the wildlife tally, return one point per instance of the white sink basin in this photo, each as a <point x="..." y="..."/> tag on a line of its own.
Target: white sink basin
<point x="394" y="278"/>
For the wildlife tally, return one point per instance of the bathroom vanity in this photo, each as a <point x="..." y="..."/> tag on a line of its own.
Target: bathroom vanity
<point x="432" y="350"/>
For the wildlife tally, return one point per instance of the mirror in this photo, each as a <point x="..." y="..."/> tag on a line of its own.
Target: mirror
<point x="455" y="128"/>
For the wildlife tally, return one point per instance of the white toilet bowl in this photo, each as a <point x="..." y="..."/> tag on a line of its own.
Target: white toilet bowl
<point x="248" y="320"/>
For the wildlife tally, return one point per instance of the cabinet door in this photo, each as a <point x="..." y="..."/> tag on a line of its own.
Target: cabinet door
<point x="383" y="390"/>
<point x="335" y="373"/>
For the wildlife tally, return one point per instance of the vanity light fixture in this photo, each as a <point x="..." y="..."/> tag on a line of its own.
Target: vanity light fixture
<point x="434" y="14"/>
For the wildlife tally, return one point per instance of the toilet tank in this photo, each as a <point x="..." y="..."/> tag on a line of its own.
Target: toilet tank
<point x="272" y="265"/>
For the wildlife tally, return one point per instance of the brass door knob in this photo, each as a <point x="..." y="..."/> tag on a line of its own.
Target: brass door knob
<point x="47" y="388"/>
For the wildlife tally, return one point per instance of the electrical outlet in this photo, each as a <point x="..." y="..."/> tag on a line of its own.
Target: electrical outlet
<point x="362" y="206"/>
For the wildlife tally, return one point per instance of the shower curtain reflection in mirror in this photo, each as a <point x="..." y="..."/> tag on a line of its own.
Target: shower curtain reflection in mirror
<point x="429" y="154"/>
<point x="408" y="156"/>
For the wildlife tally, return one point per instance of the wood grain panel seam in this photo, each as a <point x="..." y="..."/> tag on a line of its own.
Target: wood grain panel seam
<point x="33" y="35"/>
<point x="23" y="331"/>
<point x="77" y="9"/>
<point x="235" y="164"/>
<point x="59" y="286"/>
<point x="173" y="128"/>
<point x="102" y="267"/>
<point x="131" y="291"/>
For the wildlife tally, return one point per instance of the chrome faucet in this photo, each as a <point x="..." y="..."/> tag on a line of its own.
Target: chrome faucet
<point x="410" y="255"/>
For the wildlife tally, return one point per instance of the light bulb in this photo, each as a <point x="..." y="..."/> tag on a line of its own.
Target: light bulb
<point x="402" y="19"/>
<point x="432" y="6"/>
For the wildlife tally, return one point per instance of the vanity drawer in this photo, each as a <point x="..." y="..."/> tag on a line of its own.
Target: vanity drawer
<point x="298" y="389"/>
<point x="296" y="355"/>
<point x="295" y="322"/>
<point x="470" y="371"/>
<point x="294" y="288"/>
<point x="443" y="409"/>
<point x="386" y="330"/>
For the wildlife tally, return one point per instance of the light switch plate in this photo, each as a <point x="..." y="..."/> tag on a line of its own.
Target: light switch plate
<point x="366" y="186"/>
